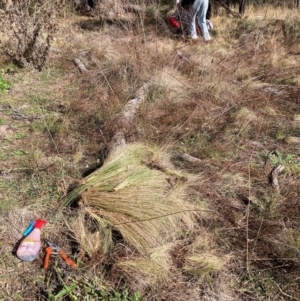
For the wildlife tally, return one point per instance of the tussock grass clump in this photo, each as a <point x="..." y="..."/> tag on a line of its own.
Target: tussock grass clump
<point x="202" y="260"/>
<point x="153" y="271"/>
<point x="146" y="270"/>
<point x="244" y="117"/>
<point x="172" y="86"/>
<point x="94" y="236"/>
<point x="138" y="194"/>
<point x="203" y="264"/>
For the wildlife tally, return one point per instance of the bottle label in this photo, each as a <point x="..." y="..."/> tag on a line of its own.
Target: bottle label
<point x="28" y="242"/>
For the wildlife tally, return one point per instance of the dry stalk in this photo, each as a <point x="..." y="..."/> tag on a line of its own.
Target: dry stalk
<point x="259" y="39"/>
<point x="284" y="293"/>
<point x="247" y="223"/>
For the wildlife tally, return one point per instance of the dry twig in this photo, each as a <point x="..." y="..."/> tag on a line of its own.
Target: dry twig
<point x="186" y="157"/>
<point x="273" y="177"/>
<point x="182" y="56"/>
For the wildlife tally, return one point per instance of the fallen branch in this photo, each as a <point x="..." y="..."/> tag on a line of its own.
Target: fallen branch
<point x="182" y="56"/>
<point x="134" y="103"/>
<point x="55" y="50"/>
<point x="186" y="157"/>
<point x="133" y="8"/>
<point x="126" y="116"/>
<point x="283" y="293"/>
<point x="273" y="177"/>
<point x="6" y="172"/>
<point x="19" y="116"/>
<point x="80" y="65"/>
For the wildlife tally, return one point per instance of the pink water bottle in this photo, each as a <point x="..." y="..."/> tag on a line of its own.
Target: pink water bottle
<point x="30" y="246"/>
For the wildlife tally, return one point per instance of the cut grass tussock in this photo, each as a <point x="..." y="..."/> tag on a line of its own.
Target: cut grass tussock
<point x="139" y="194"/>
<point x="202" y="260"/>
<point x="149" y="272"/>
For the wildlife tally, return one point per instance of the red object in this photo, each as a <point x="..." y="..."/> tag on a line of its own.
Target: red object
<point x="174" y="22"/>
<point x="39" y="223"/>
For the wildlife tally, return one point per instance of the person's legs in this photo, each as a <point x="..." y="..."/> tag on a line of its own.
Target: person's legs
<point x="191" y="13"/>
<point x="201" y="17"/>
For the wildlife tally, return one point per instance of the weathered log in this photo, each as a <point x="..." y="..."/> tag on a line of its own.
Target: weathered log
<point x="126" y="116"/>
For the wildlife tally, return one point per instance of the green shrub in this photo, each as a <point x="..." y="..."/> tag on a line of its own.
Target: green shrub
<point x="4" y="85"/>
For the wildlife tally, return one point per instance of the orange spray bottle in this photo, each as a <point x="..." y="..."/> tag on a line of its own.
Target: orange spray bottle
<point x="30" y="246"/>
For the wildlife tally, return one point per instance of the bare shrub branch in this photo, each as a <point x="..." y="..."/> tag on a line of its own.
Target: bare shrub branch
<point x="28" y="29"/>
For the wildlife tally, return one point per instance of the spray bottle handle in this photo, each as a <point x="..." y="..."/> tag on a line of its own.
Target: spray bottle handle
<point x="29" y="228"/>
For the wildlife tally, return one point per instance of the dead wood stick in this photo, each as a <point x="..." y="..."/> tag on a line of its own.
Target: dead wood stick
<point x="55" y="50"/>
<point x="126" y="117"/>
<point x="134" y="103"/>
<point x="186" y="157"/>
<point x="80" y="65"/>
<point x="133" y="8"/>
<point x="5" y="172"/>
<point x="273" y="177"/>
<point x="182" y="56"/>
<point x="17" y="115"/>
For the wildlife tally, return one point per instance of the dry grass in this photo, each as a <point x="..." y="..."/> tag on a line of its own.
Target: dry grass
<point x="202" y="261"/>
<point x="153" y="272"/>
<point x="136" y="193"/>
<point x="228" y="103"/>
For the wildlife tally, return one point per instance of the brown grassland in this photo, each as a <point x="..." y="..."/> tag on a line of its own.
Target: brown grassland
<point x="141" y="220"/>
